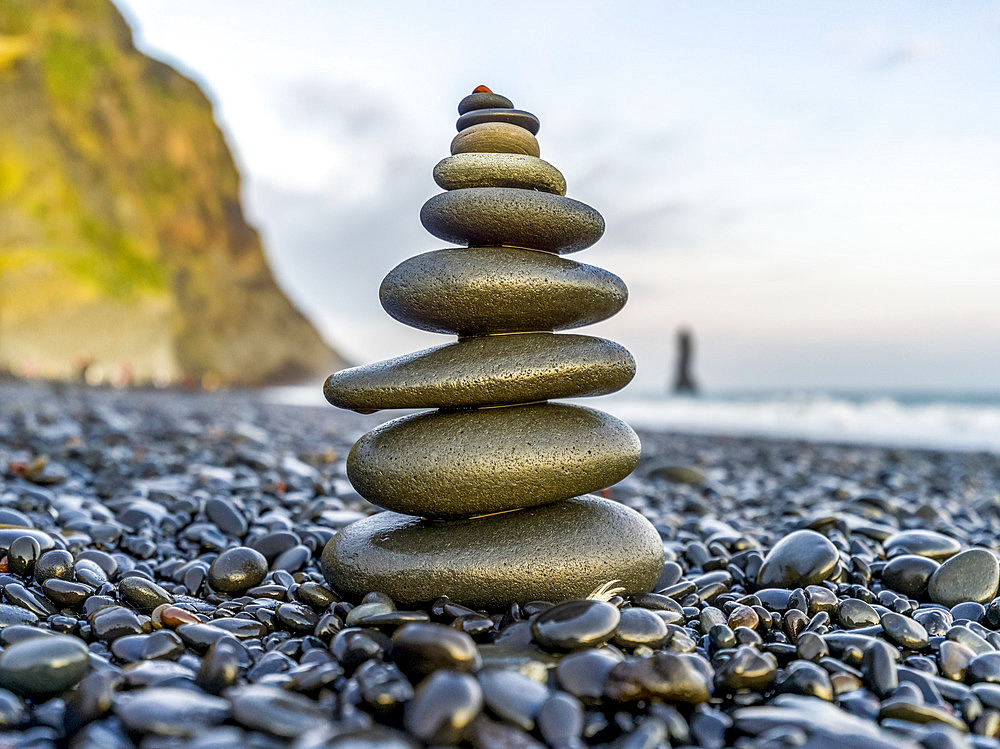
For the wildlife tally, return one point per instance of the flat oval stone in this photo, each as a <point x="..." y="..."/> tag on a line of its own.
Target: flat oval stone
<point x="495" y="137"/>
<point x="43" y="666"/>
<point x="801" y="558"/>
<point x="576" y="624"/>
<point x="482" y="290"/>
<point x="498" y="170"/>
<point x="483" y="100"/>
<point x="557" y="552"/>
<point x="499" y="114"/>
<point x="460" y="463"/>
<point x="170" y="711"/>
<point x="972" y="575"/>
<point x="922" y="543"/>
<point x="510" y="217"/>
<point x="486" y="371"/>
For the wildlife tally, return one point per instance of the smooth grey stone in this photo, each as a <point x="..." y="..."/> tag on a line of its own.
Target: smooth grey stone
<point x="827" y="725"/>
<point x="878" y="668"/>
<point x="112" y="622"/>
<point x="805" y="678"/>
<point x="13" y="712"/>
<point x="170" y="711"/>
<point x="519" y="170"/>
<point x="486" y="371"/>
<point x="12" y="616"/>
<point x="984" y="668"/>
<point x="420" y="649"/>
<point x="511" y="696"/>
<point x="495" y="137"/>
<point x="923" y="543"/>
<point x="909" y="574"/>
<point x="237" y="569"/>
<point x="448" y="464"/>
<point x="499" y="114"/>
<point x="443" y="706"/>
<point x="853" y="613"/>
<point x="560" y="720"/>
<point x="9" y="535"/>
<point x="224" y="514"/>
<point x="640" y="626"/>
<point x="575" y="624"/>
<point x="582" y="673"/>
<point x="904" y="631"/>
<point x="275" y="711"/>
<point x="483" y="290"/>
<point x="747" y="668"/>
<point x="43" y="666"/>
<point x="220" y="668"/>
<point x="483" y="100"/>
<point x="673" y="677"/>
<point x="972" y="575"/>
<point x="801" y="558"/>
<point x="507" y="216"/>
<point x="555" y="552"/>
<point x="953" y="660"/>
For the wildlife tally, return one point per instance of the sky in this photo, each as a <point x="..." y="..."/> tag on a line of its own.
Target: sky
<point x="814" y="188"/>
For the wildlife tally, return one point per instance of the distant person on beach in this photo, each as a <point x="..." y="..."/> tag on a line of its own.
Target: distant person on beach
<point x="684" y="383"/>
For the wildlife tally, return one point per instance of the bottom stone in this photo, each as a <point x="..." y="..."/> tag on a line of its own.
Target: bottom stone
<point x="552" y="553"/>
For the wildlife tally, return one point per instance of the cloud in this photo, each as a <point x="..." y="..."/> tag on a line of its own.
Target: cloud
<point x="334" y="107"/>
<point x="906" y="53"/>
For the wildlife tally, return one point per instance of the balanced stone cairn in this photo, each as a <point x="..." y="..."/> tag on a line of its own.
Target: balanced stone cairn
<point x="486" y="496"/>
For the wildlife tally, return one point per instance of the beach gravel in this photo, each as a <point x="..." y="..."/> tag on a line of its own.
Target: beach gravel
<point x="162" y="586"/>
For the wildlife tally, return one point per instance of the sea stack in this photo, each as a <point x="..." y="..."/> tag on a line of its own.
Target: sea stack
<point x="486" y="496"/>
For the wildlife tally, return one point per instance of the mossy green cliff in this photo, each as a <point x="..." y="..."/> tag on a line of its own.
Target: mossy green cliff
<point x="122" y="237"/>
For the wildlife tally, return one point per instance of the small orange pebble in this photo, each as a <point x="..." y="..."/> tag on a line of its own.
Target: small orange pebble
<point x="174" y="616"/>
<point x="3" y="564"/>
<point x="606" y="493"/>
<point x="482" y="90"/>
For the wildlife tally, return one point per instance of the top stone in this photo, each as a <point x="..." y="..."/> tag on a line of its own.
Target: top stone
<point x="483" y="98"/>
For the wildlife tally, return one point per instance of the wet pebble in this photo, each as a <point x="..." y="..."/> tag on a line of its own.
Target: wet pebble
<point x="972" y="575"/>
<point x="575" y="624"/>
<point x="237" y="569"/>
<point x="43" y="666"/>
<point x="800" y="558"/>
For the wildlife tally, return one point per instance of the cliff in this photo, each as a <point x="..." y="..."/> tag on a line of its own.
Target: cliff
<point x="122" y="237"/>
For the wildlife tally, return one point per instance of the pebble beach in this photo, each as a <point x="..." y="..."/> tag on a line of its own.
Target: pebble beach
<point x="160" y="562"/>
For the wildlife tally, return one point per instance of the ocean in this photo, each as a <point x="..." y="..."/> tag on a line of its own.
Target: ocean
<point x="964" y="421"/>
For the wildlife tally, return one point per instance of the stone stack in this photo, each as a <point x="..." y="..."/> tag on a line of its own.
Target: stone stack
<point x="486" y="495"/>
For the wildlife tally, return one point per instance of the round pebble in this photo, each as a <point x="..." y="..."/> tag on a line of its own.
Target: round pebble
<point x="800" y="558"/>
<point x="972" y="575"/>
<point x="237" y="569"/>
<point x="43" y="666"/>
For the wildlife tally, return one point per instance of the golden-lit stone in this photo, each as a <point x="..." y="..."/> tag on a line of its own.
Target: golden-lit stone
<point x="486" y="371"/>
<point x="511" y="217"/>
<point x="481" y="290"/>
<point x="454" y="463"/>
<point x="495" y="137"/>
<point x="498" y="170"/>
<point x="557" y="552"/>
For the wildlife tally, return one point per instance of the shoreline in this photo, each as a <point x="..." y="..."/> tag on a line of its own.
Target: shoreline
<point x="271" y="401"/>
